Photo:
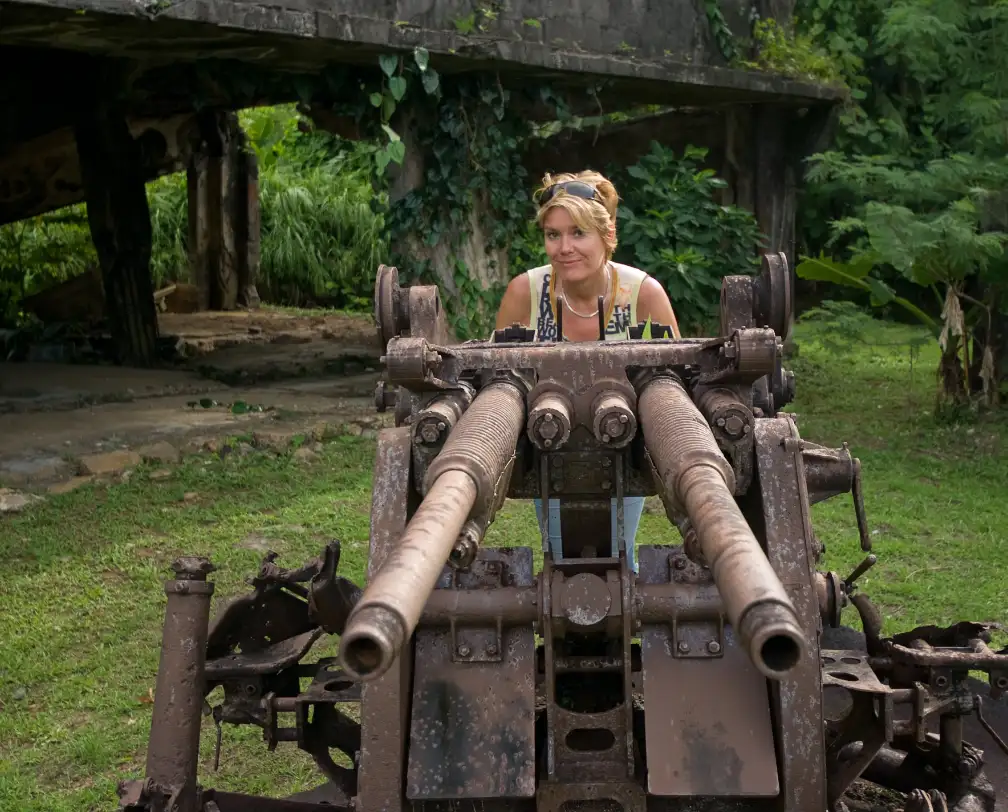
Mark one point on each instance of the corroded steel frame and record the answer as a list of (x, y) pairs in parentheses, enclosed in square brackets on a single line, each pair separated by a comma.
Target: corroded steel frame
[(462, 708)]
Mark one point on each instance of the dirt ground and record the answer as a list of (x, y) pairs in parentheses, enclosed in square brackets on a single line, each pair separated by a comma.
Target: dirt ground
[(267, 373)]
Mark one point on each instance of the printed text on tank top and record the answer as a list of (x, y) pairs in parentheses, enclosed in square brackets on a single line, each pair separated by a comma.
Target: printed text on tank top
[(621, 307)]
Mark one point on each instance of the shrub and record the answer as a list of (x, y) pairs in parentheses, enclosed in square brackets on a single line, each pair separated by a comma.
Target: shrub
[(672, 226)]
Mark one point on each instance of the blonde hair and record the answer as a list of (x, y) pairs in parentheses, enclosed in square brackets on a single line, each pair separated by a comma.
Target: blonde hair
[(589, 215)]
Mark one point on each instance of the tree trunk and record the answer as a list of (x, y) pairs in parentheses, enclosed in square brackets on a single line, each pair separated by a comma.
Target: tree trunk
[(951, 373), (995, 337), (119, 218)]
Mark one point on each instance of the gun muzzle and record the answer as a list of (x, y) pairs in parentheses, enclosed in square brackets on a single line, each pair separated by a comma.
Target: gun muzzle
[(694, 473), (469, 476)]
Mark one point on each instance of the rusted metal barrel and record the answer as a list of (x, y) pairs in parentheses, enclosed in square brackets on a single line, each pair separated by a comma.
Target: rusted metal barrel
[(695, 474), (173, 749), (467, 478)]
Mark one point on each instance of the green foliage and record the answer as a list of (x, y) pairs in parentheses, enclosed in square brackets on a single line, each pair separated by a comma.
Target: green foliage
[(856, 275), (168, 200), (39, 251), (320, 238), (474, 144), (794, 55), (397, 73), (720, 31), (672, 225), (914, 186), (845, 328)]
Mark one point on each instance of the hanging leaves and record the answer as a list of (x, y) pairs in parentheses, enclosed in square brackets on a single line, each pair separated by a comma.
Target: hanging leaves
[(952, 318)]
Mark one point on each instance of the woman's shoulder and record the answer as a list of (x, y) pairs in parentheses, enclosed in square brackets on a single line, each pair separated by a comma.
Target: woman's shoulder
[(630, 273), (538, 272)]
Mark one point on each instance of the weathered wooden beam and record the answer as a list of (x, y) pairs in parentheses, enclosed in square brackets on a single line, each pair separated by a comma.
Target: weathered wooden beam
[(111, 168)]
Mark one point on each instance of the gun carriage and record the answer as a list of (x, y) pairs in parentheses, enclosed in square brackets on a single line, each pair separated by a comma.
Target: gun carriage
[(693, 677)]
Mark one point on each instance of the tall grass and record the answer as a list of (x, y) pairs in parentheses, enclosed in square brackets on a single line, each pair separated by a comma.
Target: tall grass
[(320, 239), (167, 198)]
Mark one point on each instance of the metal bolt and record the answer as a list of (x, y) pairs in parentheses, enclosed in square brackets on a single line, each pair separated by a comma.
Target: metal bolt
[(683, 647), (614, 425), (721, 422), (548, 428), (430, 432), (491, 650), (463, 651), (734, 425), (714, 647)]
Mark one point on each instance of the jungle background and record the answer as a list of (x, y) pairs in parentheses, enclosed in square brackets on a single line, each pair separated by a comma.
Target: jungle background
[(900, 349), (904, 213)]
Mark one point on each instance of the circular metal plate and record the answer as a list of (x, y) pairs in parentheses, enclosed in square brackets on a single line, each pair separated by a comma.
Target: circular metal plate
[(775, 297), (386, 304)]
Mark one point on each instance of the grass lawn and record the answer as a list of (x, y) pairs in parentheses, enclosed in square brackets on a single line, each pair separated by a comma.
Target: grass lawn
[(81, 601)]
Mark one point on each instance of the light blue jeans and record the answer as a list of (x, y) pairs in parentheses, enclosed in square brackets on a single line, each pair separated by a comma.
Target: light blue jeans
[(633, 508)]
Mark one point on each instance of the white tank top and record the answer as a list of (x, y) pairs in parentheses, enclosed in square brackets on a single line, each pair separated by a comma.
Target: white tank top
[(622, 308)]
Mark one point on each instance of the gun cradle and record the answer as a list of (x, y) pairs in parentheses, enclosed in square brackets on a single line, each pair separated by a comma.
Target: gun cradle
[(700, 681)]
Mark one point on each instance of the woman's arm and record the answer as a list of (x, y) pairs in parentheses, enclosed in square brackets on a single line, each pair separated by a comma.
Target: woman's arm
[(653, 303), (515, 304)]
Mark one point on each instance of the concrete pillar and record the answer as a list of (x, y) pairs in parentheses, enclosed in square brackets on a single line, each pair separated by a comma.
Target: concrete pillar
[(223, 216), (112, 173), (249, 226)]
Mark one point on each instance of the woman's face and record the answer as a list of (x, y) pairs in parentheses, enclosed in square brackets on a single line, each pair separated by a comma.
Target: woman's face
[(575, 255)]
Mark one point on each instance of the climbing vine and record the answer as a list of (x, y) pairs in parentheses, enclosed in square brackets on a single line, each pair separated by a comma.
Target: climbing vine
[(473, 145), (467, 213), (720, 31), (775, 48), (788, 54)]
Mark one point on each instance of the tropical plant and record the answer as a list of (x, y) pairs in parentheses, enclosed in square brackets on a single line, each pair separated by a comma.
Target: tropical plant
[(672, 225)]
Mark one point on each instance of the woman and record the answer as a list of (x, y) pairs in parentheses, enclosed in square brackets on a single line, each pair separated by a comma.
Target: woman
[(577, 214)]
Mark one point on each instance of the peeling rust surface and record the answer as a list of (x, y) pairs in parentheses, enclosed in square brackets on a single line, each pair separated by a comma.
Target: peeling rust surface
[(471, 713), (173, 751), (712, 734), (472, 732), (384, 701), (785, 525)]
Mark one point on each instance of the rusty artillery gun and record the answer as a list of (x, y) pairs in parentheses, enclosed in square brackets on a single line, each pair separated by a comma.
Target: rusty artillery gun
[(701, 681)]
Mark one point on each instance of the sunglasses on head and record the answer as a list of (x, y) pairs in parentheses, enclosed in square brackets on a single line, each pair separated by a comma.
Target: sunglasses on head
[(577, 188)]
